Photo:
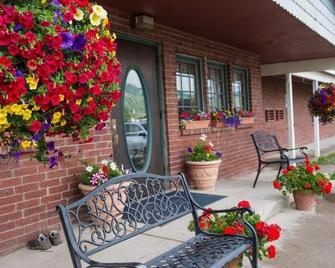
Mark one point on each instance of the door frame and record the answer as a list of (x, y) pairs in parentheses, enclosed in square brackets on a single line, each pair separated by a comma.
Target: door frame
[(159, 78)]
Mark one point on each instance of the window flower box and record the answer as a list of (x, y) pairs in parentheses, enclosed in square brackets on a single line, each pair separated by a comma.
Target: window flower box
[(194, 120), (196, 124), (247, 120)]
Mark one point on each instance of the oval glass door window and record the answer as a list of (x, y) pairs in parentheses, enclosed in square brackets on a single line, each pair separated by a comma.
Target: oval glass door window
[(136, 120)]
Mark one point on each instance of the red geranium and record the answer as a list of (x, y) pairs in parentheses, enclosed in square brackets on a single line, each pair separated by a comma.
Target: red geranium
[(276, 184), (271, 252), (244, 204)]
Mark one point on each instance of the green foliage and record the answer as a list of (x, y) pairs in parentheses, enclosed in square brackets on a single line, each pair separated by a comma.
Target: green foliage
[(203, 151)]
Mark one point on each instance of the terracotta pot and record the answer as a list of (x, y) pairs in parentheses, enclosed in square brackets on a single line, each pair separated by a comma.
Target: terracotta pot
[(217, 124), (197, 124), (114, 201), (247, 120), (304, 201), (235, 263), (204, 174)]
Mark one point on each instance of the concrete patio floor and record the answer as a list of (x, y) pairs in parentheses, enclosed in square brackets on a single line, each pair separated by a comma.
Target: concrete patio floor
[(264, 199)]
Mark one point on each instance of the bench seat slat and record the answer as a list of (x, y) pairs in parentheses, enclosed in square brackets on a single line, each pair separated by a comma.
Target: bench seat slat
[(202, 251)]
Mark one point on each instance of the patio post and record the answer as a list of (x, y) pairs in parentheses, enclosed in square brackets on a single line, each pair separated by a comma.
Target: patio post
[(316, 126), (290, 113)]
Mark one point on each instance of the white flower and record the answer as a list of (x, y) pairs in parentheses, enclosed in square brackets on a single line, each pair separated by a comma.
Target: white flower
[(113, 165), (104, 162), (203, 137), (211, 144), (89, 168), (100, 11), (79, 15)]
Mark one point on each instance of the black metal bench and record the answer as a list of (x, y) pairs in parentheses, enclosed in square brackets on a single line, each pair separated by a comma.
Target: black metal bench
[(141, 202), (270, 152)]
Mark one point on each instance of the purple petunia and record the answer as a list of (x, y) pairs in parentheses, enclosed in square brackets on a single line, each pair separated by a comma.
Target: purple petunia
[(190, 150), (79, 42), (15, 155), (51, 146), (18, 73), (52, 161), (67, 39), (219, 154), (37, 137), (18, 27)]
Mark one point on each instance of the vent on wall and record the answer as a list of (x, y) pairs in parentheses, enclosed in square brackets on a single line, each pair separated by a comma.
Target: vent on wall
[(269, 115), (279, 114)]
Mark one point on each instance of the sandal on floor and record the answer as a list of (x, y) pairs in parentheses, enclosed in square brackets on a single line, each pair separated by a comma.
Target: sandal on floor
[(54, 237), (42, 243)]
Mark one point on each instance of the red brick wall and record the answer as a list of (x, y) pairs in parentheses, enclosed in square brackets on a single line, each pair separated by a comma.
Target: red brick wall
[(274, 98), (29, 192)]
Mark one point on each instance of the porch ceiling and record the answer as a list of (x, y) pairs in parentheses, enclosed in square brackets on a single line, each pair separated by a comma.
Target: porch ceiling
[(258, 26)]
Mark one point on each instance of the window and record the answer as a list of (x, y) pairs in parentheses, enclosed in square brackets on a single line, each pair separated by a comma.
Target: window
[(240, 94), (216, 83), (188, 84)]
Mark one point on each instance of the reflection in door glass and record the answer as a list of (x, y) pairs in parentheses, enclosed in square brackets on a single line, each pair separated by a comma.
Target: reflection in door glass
[(135, 120)]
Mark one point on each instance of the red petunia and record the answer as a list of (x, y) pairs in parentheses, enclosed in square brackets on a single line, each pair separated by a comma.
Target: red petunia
[(244, 204), (74, 108), (229, 230), (68, 16), (309, 169), (35, 126), (76, 117), (13, 50), (276, 184), (55, 100), (271, 252), (307, 186), (285, 171), (45, 23), (82, 3)]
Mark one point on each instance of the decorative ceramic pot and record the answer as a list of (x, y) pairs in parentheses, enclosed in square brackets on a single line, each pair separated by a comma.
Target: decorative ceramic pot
[(204, 174), (197, 124), (108, 205), (304, 201), (247, 120)]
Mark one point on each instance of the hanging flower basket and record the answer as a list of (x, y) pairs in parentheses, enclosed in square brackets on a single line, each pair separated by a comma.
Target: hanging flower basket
[(59, 74), (322, 103)]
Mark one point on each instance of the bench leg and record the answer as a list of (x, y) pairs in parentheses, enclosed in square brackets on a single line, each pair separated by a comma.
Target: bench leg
[(259, 170), (280, 168)]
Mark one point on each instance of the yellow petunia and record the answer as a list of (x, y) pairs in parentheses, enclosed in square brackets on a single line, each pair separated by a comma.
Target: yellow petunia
[(100, 11), (79, 15), (43, 1), (36, 108), (61, 97), (3, 121), (16, 109), (105, 22), (32, 81), (63, 123), (78, 102), (25, 144), (107, 33), (26, 115), (95, 19), (56, 117), (113, 36)]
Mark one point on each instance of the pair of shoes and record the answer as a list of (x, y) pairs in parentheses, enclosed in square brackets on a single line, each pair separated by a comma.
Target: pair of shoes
[(44, 242), (54, 237)]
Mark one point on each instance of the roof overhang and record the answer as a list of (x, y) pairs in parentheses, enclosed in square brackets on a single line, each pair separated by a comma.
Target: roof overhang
[(259, 26)]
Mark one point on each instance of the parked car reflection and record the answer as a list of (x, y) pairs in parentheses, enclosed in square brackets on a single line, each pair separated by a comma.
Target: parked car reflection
[(137, 139)]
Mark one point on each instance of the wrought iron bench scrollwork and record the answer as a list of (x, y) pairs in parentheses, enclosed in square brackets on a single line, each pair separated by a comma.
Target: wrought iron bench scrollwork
[(140, 202), (266, 145)]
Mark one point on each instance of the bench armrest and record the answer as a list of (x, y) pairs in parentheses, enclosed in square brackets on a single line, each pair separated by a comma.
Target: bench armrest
[(301, 149), (116, 265)]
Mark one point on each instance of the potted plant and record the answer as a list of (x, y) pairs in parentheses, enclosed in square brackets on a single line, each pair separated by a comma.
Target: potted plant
[(246, 117), (322, 103), (113, 198), (194, 120), (59, 74), (230, 224), (305, 182), (231, 119), (203, 164)]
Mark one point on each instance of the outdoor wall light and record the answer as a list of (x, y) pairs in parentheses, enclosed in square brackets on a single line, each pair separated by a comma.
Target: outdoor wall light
[(143, 22)]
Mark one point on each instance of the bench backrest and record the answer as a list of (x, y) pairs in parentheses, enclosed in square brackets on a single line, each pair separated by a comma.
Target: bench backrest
[(122, 208), (264, 141)]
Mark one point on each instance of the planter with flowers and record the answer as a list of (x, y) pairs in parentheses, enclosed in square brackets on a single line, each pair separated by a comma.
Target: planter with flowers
[(305, 182), (113, 198), (230, 223), (322, 103), (194, 120), (217, 119), (59, 74), (221, 119), (203, 164), (246, 117)]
